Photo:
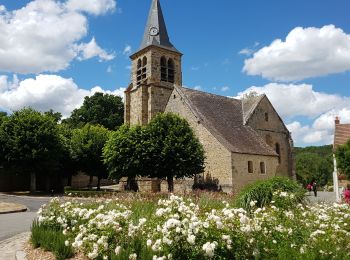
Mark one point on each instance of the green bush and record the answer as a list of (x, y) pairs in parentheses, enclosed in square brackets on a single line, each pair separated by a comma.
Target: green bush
[(50, 239), (261, 193)]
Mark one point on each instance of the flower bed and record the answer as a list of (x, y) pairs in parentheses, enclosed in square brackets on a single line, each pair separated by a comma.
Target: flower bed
[(181, 228)]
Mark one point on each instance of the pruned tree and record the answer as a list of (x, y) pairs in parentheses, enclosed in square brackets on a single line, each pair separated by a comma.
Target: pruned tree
[(175, 150), (30, 143), (86, 149), (343, 158)]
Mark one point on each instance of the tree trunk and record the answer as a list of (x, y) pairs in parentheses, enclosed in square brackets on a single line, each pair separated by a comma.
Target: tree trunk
[(32, 182), (99, 182), (90, 182), (170, 180)]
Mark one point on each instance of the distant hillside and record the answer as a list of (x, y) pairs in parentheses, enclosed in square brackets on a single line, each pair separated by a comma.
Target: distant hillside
[(323, 151), (314, 163)]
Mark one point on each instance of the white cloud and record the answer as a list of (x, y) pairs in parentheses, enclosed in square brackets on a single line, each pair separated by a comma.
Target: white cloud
[(197, 88), (317, 108), (43, 36), (306, 52), (194, 68), (249, 50), (2, 8), (45, 92), (225, 88), (299, 100), (96, 7), (91, 49), (109, 69), (127, 50)]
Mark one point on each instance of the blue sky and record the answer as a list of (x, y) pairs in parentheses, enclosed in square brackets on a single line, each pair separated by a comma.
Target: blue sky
[(53, 53)]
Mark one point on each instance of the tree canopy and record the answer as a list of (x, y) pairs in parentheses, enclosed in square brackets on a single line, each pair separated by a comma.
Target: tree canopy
[(100, 109), (343, 158), (166, 148), (86, 149), (30, 142), (314, 163)]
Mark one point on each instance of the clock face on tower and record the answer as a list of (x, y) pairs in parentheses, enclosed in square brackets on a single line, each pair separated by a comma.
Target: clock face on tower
[(153, 31)]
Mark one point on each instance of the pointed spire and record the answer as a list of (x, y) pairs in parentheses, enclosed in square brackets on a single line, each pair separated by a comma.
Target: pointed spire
[(155, 31)]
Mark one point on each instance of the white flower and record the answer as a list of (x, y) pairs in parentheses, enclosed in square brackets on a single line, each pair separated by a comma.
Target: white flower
[(209, 248), (191, 239), (149, 242), (133, 256), (274, 241), (252, 203), (117, 250), (66, 243), (93, 255)]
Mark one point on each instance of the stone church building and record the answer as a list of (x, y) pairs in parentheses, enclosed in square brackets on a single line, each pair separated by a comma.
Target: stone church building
[(244, 140)]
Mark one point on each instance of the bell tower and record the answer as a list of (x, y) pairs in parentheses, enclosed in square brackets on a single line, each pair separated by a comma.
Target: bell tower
[(156, 68)]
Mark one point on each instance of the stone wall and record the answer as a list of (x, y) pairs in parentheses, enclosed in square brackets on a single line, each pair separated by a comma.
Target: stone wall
[(240, 174), (273, 131), (218, 158)]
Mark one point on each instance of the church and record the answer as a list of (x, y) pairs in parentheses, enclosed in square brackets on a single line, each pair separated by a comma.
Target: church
[(244, 140)]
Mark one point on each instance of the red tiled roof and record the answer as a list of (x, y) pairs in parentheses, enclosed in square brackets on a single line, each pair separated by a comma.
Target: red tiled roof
[(341, 135)]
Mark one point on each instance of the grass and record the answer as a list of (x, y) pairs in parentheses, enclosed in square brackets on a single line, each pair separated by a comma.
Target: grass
[(50, 239)]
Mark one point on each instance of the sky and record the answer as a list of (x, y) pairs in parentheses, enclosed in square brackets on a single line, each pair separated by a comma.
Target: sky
[(297, 52)]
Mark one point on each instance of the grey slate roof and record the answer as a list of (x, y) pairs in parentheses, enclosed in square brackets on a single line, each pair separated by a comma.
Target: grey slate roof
[(223, 117), (156, 19)]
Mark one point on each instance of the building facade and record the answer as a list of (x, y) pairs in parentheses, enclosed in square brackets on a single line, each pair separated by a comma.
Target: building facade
[(244, 140)]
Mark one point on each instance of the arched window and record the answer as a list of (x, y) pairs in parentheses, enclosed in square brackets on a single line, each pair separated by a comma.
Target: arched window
[(144, 68), (171, 71), (163, 69), (278, 151), (262, 168), (139, 72)]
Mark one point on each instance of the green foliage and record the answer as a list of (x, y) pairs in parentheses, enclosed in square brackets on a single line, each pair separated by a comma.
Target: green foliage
[(100, 109), (262, 193), (165, 148), (176, 151), (314, 163), (127, 152), (50, 239), (3, 115), (86, 149), (208, 183), (30, 142), (343, 158), (57, 116)]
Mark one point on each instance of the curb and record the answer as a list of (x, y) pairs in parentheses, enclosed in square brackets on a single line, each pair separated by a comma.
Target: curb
[(20, 255), (14, 211)]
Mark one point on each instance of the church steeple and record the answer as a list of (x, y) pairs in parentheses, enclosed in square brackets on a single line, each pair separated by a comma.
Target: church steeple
[(155, 30)]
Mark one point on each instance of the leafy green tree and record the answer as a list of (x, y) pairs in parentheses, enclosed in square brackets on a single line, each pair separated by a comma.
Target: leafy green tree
[(127, 154), (3, 115), (100, 109), (343, 158), (86, 149), (56, 115), (311, 166), (30, 143), (175, 151)]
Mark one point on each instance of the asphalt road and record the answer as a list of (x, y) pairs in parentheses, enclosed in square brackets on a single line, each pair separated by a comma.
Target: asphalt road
[(15, 223)]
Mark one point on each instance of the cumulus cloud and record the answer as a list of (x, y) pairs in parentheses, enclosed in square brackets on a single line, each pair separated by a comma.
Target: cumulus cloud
[(96, 7), (306, 52), (45, 35), (45, 92), (91, 49), (302, 101), (292, 100)]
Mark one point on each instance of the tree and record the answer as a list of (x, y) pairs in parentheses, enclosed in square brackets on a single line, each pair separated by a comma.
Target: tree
[(343, 158), (30, 143), (311, 166), (3, 115), (56, 115), (86, 149), (175, 151), (99, 109), (126, 154)]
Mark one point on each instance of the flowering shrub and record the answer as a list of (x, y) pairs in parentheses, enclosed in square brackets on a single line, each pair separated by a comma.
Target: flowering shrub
[(178, 228)]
